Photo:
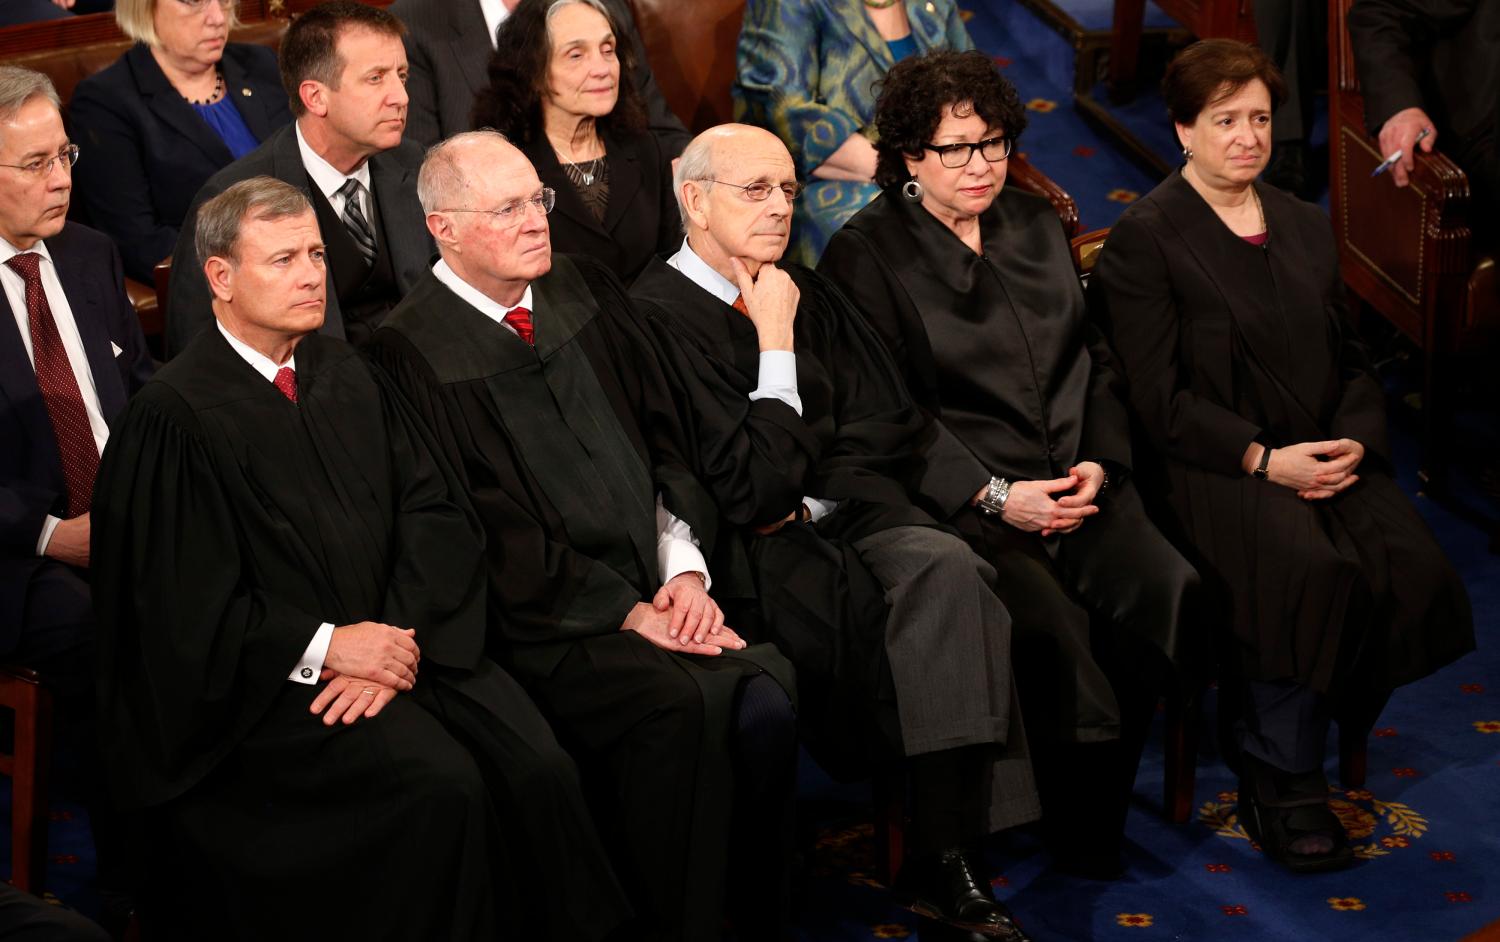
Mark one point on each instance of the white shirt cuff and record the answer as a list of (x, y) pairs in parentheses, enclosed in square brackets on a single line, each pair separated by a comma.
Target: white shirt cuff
[(818, 509), (778, 378), (676, 548), (48, 526), (310, 667)]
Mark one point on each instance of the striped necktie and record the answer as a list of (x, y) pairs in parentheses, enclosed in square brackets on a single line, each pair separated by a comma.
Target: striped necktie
[(76, 448), (355, 221)]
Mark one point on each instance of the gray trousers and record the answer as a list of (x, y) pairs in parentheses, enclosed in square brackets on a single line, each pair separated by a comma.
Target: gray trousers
[(948, 640)]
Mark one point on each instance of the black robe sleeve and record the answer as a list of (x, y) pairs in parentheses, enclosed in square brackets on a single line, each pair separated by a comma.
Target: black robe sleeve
[(950, 474), (1146, 328), (436, 584), (191, 654), (546, 590), (753, 456)]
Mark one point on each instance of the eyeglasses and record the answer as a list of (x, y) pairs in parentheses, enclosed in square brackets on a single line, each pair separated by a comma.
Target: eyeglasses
[(198, 6), (953, 156), (513, 212), (760, 192), (42, 166)]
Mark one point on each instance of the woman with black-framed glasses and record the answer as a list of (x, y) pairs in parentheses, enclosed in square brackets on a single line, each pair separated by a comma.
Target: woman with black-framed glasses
[(971, 285)]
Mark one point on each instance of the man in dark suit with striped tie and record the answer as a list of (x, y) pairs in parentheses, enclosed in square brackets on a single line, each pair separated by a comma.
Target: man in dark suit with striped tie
[(71, 352), (344, 67)]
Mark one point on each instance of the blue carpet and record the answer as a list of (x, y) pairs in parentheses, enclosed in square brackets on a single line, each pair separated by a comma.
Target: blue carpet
[(1427, 823)]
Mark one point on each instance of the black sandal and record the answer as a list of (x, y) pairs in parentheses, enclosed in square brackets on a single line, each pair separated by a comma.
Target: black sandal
[(1277, 808)]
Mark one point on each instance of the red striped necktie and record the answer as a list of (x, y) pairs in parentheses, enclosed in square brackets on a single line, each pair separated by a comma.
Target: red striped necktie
[(76, 447), (519, 318)]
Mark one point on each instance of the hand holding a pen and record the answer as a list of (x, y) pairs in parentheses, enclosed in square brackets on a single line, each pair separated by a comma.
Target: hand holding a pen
[(1400, 133)]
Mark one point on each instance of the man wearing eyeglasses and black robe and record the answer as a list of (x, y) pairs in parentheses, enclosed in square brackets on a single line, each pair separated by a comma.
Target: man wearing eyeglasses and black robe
[(544, 398), (902, 648)]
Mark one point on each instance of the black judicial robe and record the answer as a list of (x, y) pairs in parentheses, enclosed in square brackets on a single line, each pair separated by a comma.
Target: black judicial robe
[(998, 348), (1224, 343), (228, 525), (859, 440), (562, 449)]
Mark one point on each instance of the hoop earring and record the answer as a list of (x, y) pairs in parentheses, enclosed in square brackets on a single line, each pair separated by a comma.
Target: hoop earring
[(1187, 153), (912, 190)]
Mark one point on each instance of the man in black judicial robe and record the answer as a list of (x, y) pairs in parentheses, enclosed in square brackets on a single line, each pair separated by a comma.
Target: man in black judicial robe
[(269, 516), (542, 395), (344, 67), (770, 360)]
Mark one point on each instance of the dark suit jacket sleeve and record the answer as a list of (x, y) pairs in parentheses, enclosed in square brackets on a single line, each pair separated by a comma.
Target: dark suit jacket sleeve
[(1146, 329), (189, 302), (113, 178), (1389, 39), (134, 361), (663, 123)]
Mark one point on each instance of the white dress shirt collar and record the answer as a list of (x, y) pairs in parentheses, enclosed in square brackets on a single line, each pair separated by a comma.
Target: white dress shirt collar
[(258, 361), (324, 175), (477, 299), (8, 251), (495, 12), (703, 274)]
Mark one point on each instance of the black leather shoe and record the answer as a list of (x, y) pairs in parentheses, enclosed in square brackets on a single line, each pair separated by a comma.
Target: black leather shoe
[(943, 887)]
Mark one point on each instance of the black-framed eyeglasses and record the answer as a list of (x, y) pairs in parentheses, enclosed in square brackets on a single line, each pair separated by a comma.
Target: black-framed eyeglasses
[(760, 192), (42, 166), (513, 212), (953, 156)]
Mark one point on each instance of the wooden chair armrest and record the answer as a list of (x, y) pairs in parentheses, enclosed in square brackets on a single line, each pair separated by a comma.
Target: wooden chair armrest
[(1022, 174), (147, 311)]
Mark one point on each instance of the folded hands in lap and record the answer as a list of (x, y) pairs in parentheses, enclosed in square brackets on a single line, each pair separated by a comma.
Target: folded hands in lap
[(683, 617), (1032, 505)]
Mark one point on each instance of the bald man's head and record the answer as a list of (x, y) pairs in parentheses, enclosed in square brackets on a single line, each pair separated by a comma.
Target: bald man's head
[(487, 211), (718, 179)]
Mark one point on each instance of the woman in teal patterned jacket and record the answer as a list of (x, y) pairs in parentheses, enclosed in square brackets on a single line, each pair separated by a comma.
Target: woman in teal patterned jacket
[(808, 71)]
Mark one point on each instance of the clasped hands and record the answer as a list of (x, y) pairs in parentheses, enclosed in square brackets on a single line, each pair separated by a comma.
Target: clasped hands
[(682, 617), (1031, 506), (1315, 470), (366, 665)]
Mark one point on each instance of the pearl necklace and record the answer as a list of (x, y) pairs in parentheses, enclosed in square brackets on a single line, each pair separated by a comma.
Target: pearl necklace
[(217, 93)]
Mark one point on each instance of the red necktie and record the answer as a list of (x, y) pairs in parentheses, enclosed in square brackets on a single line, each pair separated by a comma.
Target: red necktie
[(739, 305), (54, 375), (286, 381), (519, 318)]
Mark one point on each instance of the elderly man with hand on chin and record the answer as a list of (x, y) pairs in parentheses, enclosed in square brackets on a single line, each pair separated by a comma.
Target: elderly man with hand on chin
[(268, 518), (813, 449)]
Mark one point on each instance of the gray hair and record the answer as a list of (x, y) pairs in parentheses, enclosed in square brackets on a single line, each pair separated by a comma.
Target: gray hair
[(441, 181), (559, 4), (219, 220), (137, 19), (18, 86), (697, 165)]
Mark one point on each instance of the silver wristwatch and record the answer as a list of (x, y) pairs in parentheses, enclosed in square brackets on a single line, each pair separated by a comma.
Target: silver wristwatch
[(993, 501)]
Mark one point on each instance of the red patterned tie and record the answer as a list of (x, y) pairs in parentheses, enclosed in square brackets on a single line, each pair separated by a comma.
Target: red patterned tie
[(519, 318), (54, 375), (286, 381), (739, 305)]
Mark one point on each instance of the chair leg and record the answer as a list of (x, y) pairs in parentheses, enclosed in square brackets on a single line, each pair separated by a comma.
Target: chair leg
[(1353, 757), (29, 818), (1180, 745), (890, 825)]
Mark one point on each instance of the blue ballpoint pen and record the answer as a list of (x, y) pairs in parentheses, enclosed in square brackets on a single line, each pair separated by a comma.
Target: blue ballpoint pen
[(1389, 161)]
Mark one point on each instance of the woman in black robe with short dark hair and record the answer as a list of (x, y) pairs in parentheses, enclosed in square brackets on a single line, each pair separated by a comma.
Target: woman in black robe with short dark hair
[(972, 287), (1226, 308)]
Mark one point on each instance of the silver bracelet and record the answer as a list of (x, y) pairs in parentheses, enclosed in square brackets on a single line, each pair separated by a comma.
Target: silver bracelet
[(993, 501)]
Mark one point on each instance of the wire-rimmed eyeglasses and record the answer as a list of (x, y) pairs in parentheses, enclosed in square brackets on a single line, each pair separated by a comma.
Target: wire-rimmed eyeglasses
[(760, 192), (42, 166), (513, 212)]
